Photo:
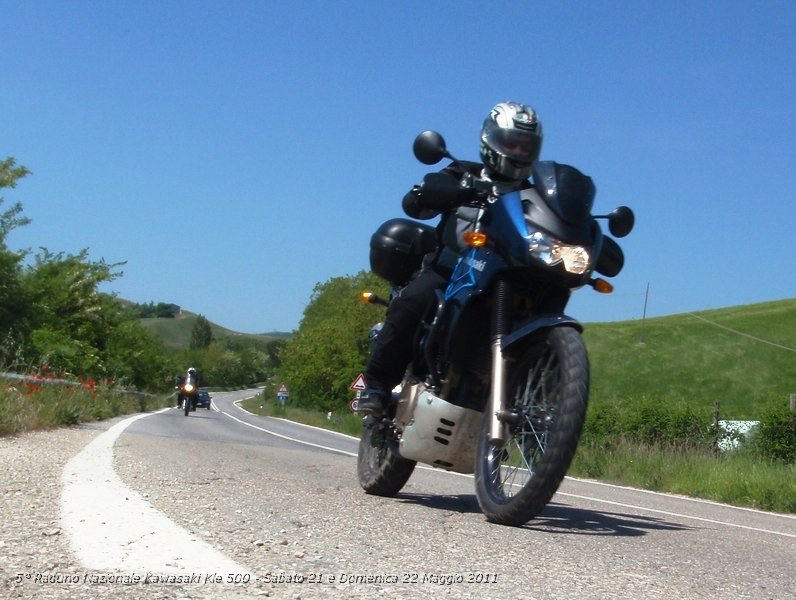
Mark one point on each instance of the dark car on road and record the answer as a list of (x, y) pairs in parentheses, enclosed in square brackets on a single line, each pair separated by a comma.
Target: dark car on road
[(203, 400)]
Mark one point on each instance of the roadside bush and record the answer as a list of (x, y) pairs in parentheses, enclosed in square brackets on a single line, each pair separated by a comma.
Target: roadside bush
[(646, 421), (39, 404), (775, 437), (603, 424)]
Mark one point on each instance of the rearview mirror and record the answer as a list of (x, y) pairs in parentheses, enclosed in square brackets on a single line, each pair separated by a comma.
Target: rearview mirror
[(621, 221), (429, 148)]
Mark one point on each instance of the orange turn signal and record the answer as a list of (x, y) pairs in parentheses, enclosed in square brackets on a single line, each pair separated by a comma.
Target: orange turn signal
[(602, 286), (475, 239), (366, 297)]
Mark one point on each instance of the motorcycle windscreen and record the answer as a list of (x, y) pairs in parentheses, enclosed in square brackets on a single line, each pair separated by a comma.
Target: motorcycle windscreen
[(566, 190)]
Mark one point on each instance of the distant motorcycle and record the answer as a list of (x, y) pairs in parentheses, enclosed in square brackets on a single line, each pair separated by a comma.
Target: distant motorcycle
[(499, 382), (188, 393)]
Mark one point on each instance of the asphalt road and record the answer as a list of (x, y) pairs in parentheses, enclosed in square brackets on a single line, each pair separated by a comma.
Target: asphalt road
[(227, 504)]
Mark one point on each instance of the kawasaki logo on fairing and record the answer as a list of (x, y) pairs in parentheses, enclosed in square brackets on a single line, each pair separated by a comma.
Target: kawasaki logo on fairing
[(478, 265)]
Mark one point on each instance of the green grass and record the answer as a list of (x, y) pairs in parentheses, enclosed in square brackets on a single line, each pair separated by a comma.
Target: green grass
[(342, 421), (653, 390), (683, 358), (737, 478)]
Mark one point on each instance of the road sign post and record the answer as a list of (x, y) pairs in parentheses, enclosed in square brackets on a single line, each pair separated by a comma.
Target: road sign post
[(358, 385), (282, 395)]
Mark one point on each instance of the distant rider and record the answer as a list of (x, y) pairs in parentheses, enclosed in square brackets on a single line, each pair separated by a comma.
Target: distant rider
[(179, 381)]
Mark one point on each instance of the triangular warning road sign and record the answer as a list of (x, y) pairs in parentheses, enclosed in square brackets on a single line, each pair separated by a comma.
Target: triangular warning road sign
[(283, 389), (359, 383)]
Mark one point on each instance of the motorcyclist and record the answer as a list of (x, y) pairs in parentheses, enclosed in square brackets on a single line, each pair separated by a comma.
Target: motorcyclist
[(511, 139), (180, 380)]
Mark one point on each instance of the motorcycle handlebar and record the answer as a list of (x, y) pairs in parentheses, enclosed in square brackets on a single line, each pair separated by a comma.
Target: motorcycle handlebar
[(371, 298), (441, 191)]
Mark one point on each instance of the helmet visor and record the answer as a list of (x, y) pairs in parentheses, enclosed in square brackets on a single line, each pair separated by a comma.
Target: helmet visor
[(516, 144)]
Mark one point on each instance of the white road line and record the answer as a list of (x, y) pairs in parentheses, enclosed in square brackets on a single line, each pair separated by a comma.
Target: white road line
[(679, 515), (285, 437), (681, 497), (112, 527)]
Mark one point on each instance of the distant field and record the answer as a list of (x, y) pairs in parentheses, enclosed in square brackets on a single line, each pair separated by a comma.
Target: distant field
[(743, 357)]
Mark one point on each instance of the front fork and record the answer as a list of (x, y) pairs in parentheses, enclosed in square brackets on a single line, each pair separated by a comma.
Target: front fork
[(496, 409)]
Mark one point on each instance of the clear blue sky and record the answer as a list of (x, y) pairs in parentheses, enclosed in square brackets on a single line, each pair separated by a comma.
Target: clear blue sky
[(237, 153)]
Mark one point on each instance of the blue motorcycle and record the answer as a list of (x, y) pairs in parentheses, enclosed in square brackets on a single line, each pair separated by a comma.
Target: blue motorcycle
[(499, 383)]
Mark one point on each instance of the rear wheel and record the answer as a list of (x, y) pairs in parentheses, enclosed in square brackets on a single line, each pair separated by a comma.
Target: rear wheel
[(547, 390), (381, 470)]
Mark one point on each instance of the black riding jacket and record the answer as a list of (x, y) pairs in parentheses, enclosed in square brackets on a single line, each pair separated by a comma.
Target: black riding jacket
[(449, 200)]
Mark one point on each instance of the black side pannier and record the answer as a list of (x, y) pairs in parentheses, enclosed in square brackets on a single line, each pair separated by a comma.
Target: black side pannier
[(398, 247)]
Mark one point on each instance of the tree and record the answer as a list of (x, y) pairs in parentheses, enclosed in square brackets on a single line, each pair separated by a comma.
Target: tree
[(10, 174), (162, 310), (274, 349), (52, 313), (201, 334), (12, 298), (69, 321), (136, 357), (331, 345)]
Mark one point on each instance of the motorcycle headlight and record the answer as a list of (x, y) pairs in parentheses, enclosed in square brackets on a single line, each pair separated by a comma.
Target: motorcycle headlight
[(550, 251), (188, 387)]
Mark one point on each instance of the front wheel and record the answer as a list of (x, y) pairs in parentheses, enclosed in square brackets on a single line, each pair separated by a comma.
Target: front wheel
[(186, 405), (381, 470), (547, 389)]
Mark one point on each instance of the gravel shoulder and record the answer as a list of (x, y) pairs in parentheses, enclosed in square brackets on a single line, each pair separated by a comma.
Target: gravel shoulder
[(35, 558), (31, 544)]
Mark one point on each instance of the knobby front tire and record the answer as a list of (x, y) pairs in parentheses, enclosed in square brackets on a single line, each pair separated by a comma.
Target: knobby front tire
[(548, 387), (381, 470)]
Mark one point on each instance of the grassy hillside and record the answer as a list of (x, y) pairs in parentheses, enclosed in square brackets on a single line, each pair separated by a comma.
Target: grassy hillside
[(176, 332), (743, 356)]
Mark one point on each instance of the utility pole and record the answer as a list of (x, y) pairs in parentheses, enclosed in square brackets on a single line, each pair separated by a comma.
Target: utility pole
[(644, 314)]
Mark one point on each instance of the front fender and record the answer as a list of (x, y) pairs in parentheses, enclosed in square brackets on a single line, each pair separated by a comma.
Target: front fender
[(538, 322)]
